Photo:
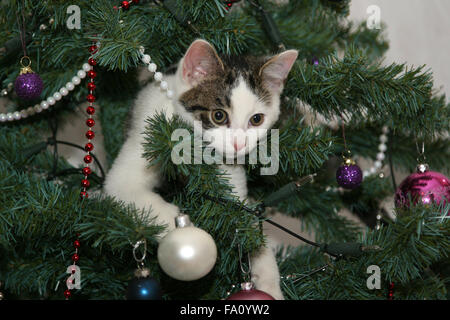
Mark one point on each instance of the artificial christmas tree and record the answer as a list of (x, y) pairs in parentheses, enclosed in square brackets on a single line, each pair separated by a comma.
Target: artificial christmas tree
[(42, 213)]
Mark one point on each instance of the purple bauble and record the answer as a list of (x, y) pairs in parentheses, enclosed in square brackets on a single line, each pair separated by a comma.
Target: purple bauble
[(427, 187), (28, 86), (250, 293), (349, 176)]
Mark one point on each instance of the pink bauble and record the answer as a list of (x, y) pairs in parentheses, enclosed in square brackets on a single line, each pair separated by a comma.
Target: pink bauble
[(250, 293), (427, 187)]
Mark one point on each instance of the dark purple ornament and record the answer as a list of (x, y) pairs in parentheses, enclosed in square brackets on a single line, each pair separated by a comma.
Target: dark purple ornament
[(28, 86), (426, 187), (349, 176)]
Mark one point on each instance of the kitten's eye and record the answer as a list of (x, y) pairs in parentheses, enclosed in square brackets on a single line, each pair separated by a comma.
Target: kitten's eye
[(257, 119), (219, 116)]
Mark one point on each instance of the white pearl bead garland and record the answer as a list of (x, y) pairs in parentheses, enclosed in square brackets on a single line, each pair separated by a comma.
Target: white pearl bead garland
[(81, 74), (70, 85), (7, 90), (46, 103), (86, 67), (158, 76), (57, 96), (51, 101), (146, 59), (152, 67), (64, 91), (76, 80), (382, 147)]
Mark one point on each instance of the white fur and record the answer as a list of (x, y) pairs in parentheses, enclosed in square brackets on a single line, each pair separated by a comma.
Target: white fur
[(131, 181)]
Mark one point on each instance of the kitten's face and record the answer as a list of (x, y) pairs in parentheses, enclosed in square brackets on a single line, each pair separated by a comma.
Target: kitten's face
[(235, 100)]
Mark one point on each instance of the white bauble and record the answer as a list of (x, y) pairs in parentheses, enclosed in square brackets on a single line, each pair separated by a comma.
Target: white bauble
[(187, 253)]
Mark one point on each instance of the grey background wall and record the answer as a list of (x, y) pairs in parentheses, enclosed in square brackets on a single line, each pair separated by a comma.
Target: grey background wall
[(418, 33)]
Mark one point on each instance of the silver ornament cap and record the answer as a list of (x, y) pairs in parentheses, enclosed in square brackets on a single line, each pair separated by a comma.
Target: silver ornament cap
[(246, 286), (422, 168), (182, 220), (142, 273)]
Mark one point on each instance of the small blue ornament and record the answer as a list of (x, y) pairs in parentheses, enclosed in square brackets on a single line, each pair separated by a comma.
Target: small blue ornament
[(143, 287)]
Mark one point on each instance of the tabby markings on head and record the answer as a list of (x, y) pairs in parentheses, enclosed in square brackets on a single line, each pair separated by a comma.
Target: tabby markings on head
[(214, 92)]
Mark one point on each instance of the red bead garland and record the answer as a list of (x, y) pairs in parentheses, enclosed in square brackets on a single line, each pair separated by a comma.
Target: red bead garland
[(90, 97), (67, 294), (90, 110), (89, 146), (75, 259), (90, 122), (93, 49), (88, 158), (91, 86), (91, 74), (391, 291), (230, 3), (85, 183), (125, 5), (90, 134)]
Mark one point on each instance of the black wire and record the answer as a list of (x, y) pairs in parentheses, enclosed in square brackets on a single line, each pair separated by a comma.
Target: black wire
[(314, 271), (53, 124), (391, 166), (21, 27), (81, 148), (293, 233), (258, 212)]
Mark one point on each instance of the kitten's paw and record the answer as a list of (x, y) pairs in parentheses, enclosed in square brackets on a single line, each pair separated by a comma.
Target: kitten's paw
[(165, 214), (273, 290)]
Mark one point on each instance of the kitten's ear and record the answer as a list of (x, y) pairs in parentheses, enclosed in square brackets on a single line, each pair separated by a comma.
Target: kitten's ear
[(200, 60), (275, 71)]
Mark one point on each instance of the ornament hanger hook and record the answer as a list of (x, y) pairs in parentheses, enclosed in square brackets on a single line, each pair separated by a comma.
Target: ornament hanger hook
[(135, 248), (245, 272), (346, 154), (423, 148), (421, 158), (29, 61)]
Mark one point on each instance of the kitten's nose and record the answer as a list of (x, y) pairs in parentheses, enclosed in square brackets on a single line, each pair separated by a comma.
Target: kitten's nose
[(239, 143)]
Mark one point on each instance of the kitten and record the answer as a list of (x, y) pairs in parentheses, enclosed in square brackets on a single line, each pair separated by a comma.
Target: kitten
[(224, 95)]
